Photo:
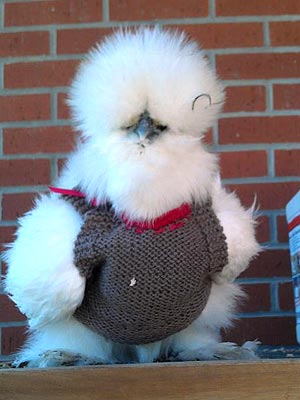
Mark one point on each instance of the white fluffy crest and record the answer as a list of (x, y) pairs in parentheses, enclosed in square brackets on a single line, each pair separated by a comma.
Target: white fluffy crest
[(161, 72), (150, 68)]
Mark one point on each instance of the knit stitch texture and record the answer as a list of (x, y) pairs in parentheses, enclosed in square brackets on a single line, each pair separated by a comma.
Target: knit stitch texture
[(143, 287)]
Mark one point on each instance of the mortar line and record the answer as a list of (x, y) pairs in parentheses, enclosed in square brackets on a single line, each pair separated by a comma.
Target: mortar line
[(105, 10), (215, 133), (266, 314), (208, 54), (1, 216), (53, 105), (13, 324), (254, 179), (268, 213), (217, 52), (1, 141), (36, 123), (41, 58), (255, 146), (241, 180), (271, 163), (171, 21), (30, 156), (213, 60), (280, 213), (261, 179), (266, 33), (244, 82), (235, 82), (9, 223), (20, 1), (269, 98), (53, 41), (278, 113), (53, 169), (274, 223), (274, 298), (212, 9), (33, 90), (273, 233), (253, 281), (256, 50), (1, 18), (1, 77), (22, 189), (7, 358)]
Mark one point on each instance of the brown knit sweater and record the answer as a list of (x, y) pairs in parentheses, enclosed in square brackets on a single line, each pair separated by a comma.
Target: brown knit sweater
[(144, 285)]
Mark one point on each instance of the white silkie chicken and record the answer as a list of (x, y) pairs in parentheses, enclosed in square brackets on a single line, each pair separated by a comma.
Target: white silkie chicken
[(142, 102)]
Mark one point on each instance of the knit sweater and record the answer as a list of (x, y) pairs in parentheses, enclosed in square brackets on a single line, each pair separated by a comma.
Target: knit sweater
[(146, 281)]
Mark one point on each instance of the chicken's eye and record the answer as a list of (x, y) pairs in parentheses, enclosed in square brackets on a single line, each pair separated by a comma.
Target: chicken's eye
[(131, 124), (128, 128), (161, 127)]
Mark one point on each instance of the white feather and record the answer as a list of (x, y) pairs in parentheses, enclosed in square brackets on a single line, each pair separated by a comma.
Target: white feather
[(161, 72), (41, 277)]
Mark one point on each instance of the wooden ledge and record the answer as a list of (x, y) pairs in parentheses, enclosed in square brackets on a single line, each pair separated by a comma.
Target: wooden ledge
[(262, 380)]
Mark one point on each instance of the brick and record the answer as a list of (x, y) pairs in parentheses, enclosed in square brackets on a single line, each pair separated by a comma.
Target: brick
[(285, 33), (279, 129), (39, 74), (24, 172), (9, 312), (258, 65), (286, 97), (209, 138), (270, 196), (16, 204), (287, 163), (52, 12), (282, 229), (63, 110), (245, 98), (6, 235), (60, 164), (18, 44), (155, 9), (78, 41), (258, 298), (214, 36), (45, 139), (27, 107), (269, 264), (286, 296), (263, 229), (13, 339), (238, 164), (256, 7), (272, 331)]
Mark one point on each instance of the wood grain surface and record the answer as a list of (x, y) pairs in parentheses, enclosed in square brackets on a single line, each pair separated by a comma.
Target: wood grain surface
[(263, 380)]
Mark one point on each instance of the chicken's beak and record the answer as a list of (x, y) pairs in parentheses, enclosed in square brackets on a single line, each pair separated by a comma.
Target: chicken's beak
[(145, 128)]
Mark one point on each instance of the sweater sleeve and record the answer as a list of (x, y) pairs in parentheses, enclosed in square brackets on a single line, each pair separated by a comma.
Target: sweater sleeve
[(89, 247), (215, 239)]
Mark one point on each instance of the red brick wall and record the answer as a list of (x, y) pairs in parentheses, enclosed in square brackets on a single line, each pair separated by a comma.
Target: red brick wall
[(254, 46)]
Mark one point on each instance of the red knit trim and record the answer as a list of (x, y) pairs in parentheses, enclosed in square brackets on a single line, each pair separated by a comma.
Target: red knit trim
[(68, 192), (174, 218), (72, 192)]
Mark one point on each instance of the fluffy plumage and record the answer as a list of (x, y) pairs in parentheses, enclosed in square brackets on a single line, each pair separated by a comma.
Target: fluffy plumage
[(160, 72)]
